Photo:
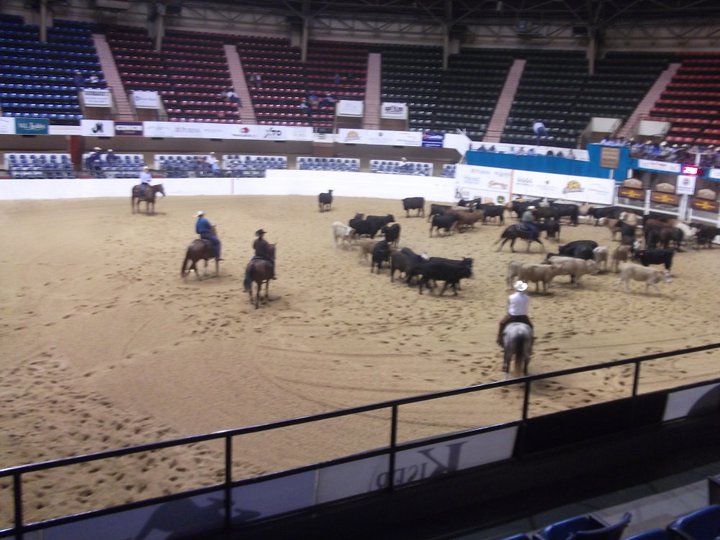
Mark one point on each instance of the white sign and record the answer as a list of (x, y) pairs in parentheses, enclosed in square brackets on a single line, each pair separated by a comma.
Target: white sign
[(146, 99), (685, 185), (714, 173), (560, 186), (398, 111), (97, 97), (346, 107), (659, 165), (483, 182), (97, 128), (374, 136), (193, 130), (7, 125)]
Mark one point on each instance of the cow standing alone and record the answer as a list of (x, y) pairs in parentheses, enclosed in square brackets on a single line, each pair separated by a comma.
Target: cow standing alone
[(325, 201)]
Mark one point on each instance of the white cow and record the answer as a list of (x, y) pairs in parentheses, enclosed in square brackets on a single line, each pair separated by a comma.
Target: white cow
[(637, 272), (342, 235), (600, 256), (573, 267)]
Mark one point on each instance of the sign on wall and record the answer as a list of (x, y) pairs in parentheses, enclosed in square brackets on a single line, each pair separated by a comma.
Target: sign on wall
[(97, 128), (394, 111), (685, 185), (375, 136), (128, 128), (97, 97), (347, 107), (146, 99), (7, 125), (559, 186), (34, 126), (192, 130), (483, 182)]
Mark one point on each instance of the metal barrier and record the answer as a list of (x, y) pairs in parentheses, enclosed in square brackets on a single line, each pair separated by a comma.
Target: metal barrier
[(391, 451)]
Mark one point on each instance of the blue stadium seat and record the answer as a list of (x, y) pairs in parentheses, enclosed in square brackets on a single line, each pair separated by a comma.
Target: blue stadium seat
[(703, 524), (653, 534), (585, 527)]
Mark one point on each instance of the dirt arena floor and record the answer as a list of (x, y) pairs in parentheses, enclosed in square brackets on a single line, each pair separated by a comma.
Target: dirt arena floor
[(104, 345)]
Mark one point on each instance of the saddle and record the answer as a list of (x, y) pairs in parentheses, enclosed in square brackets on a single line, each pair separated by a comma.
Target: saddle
[(208, 245)]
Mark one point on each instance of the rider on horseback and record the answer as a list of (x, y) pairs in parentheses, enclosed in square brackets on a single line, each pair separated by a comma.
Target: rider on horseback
[(528, 221), (145, 180), (206, 230), (262, 251), (517, 309)]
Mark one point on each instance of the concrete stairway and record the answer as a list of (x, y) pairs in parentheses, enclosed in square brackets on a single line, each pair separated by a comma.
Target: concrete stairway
[(123, 109), (239, 82), (644, 107), (504, 104), (371, 118)]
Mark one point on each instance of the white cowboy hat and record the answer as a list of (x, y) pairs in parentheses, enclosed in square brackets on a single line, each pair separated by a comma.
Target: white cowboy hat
[(520, 286), (199, 213)]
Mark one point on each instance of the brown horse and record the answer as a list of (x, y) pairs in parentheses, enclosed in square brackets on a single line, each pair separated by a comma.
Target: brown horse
[(199, 250), (260, 271), (149, 199), (515, 231)]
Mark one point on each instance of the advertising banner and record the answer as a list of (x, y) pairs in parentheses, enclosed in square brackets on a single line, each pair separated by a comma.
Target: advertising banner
[(7, 125), (32, 126), (631, 193), (193, 130), (394, 111), (97, 97), (664, 198), (97, 128), (705, 205), (560, 186), (685, 185), (374, 136), (483, 182), (146, 99), (659, 166), (714, 173), (433, 140), (346, 107), (128, 128)]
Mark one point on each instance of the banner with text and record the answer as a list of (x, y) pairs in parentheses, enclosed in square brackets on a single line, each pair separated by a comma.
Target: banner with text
[(483, 182), (7, 125), (191, 130), (146, 99), (559, 186), (374, 136), (394, 111), (34, 126), (128, 128), (347, 107), (97, 97)]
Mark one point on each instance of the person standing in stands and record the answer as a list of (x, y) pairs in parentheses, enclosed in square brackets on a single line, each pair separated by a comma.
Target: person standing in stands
[(539, 130)]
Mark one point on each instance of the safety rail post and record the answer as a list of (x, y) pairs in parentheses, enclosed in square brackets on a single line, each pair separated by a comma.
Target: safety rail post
[(228, 482), (526, 401), (393, 445), (636, 379), (17, 489)]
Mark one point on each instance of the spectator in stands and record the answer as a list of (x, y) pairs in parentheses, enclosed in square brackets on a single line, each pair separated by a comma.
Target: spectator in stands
[(145, 180), (94, 80), (305, 107), (207, 231), (313, 100), (111, 159), (337, 79), (539, 130), (79, 80), (255, 80), (212, 162), (232, 97), (571, 154), (262, 251), (92, 162)]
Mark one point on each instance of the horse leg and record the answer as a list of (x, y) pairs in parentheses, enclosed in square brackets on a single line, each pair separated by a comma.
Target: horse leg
[(257, 295), (217, 267)]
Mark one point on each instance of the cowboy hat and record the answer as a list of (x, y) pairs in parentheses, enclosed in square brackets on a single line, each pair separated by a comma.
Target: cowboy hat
[(259, 232), (199, 213), (531, 207), (520, 286)]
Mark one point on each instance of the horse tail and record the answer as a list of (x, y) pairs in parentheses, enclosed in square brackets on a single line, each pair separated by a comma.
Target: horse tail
[(184, 264)]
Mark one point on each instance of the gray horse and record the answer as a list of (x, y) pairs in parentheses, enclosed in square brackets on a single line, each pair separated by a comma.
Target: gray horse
[(518, 343)]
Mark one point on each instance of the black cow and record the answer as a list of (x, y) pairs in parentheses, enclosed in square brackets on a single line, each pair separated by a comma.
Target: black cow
[(472, 204), (407, 262), (655, 256), (381, 253), (414, 203), (580, 249), (392, 233), (493, 211), (438, 210), (362, 227), (662, 235), (325, 200), (519, 207), (551, 228), (449, 272), (445, 221), (598, 213), (705, 234), (569, 210)]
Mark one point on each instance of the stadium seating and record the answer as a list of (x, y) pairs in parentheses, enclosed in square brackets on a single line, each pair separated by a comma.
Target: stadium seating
[(382, 166), (448, 170), (121, 166), (39, 165), (702, 524), (184, 165), (252, 165), (587, 526), (653, 534), (309, 163)]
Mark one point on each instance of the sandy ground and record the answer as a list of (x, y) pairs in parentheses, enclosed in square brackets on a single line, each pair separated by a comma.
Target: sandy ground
[(104, 345)]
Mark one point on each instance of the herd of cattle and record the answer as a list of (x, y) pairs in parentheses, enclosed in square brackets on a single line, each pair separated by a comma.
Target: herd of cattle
[(644, 242)]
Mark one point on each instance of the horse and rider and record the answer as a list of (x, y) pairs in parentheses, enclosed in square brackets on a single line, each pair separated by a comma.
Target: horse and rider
[(515, 332), (264, 251), (145, 192), (207, 231)]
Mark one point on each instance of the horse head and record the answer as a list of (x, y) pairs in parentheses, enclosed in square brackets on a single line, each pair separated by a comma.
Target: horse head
[(160, 189)]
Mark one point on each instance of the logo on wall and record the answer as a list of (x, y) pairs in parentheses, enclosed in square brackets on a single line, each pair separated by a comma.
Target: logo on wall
[(352, 136), (573, 186), (97, 129)]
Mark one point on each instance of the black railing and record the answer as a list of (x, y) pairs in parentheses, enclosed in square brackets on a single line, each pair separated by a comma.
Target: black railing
[(393, 446)]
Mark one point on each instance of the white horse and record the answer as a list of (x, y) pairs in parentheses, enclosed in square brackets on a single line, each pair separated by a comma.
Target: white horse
[(517, 342)]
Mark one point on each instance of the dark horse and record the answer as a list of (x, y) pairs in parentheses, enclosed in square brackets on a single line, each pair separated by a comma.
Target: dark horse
[(261, 271), (149, 199), (199, 250), (515, 231)]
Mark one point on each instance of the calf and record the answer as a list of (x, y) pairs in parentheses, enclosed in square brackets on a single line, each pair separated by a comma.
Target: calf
[(600, 256), (342, 235), (325, 200), (448, 272), (635, 272), (414, 203), (493, 211), (392, 233), (378, 222), (406, 261), (366, 247), (705, 234), (466, 218), (575, 268), (604, 212), (448, 222), (362, 227), (655, 256), (535, 273), (380, 253), (438, 210), (580, 249), (620, 254)]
